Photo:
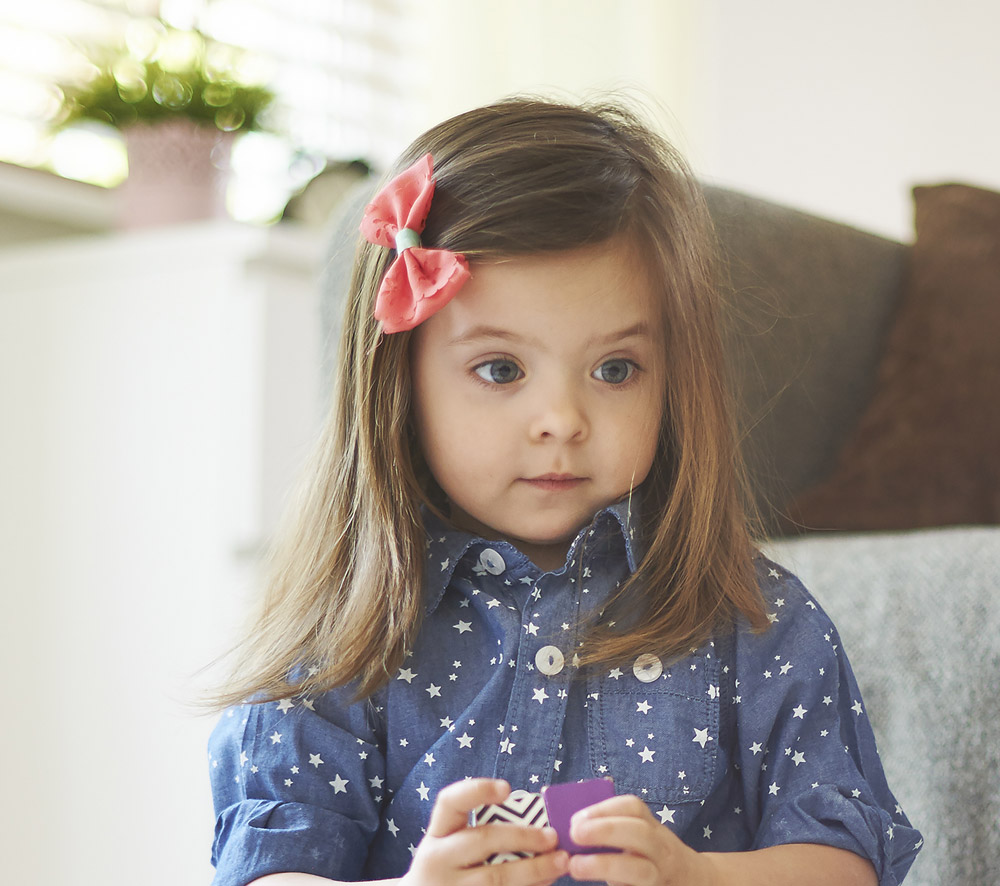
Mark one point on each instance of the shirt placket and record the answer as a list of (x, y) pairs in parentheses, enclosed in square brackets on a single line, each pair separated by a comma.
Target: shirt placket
[(533, 728)]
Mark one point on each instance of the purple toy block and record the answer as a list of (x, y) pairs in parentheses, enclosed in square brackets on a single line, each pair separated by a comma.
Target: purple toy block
[(563, 800)]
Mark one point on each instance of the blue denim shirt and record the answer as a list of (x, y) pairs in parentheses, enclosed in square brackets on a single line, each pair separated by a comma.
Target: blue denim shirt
[(750, 741)]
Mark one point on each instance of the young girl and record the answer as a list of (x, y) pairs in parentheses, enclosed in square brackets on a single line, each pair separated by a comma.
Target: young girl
[(523, 559)]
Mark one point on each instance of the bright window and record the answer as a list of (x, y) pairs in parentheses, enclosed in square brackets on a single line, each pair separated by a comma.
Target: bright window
[(337, 68)]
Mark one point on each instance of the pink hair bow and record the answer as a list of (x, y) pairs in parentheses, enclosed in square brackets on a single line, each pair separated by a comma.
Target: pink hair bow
[(420, 281)]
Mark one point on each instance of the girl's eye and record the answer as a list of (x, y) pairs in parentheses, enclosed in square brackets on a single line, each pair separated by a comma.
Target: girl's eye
[(498, 372), (615, 372)]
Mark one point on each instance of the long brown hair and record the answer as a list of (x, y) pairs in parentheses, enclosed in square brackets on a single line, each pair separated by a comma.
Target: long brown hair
[(519, 177)]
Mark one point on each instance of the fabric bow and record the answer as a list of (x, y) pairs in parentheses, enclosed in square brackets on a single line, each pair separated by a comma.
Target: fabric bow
[(420, 281)]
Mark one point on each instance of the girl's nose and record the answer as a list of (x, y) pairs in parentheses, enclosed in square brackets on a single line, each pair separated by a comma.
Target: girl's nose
[(559, 415)]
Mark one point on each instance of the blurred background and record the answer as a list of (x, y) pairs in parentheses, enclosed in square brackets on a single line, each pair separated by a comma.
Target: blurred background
[(167, 172)]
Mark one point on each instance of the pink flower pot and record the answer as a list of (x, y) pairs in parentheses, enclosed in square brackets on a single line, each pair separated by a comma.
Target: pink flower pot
[(178, 172)]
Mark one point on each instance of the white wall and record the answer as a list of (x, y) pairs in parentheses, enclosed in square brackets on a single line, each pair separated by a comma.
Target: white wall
[(472, 53), (836, 108), (842, 107)]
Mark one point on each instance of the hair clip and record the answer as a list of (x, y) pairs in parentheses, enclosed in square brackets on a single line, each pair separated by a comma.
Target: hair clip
[(420, 281)]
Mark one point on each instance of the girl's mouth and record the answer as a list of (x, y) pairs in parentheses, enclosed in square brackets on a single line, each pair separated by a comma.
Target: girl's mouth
[(554, 482)]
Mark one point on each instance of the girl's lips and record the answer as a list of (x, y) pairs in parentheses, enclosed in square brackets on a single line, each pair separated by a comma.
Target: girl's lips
[(554, 482)]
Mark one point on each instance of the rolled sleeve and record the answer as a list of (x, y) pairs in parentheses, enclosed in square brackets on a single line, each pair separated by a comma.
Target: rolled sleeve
[(259, 837), (810, 766), (296, 786)]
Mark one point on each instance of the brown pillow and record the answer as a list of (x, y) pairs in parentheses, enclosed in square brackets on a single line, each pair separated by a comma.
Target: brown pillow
[(926, 451)]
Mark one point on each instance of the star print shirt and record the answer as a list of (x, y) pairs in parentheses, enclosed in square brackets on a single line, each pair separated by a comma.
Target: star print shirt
[(751, 741)]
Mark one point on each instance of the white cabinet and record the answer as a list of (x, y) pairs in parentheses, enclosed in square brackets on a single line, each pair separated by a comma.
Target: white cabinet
[(158, 391)]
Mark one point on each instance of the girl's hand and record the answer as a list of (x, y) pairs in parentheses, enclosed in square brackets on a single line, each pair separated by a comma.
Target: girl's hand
[(651, 855), (454, 853)]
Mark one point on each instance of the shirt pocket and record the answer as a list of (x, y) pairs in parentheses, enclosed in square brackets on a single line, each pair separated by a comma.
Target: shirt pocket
[(655, 730)]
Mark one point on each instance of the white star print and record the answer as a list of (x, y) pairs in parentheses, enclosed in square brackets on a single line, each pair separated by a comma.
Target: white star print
[(756, 748), (433, 691), (376, 782), (856, 707), (773, 789), (314, 760), (666, 815), (391, 825), (646, 754), (463, 627), (539, 695), (702, 737), (424, 791), (465, 740), (276, 738), (643, 707), (285, 705), (429, 759), (339, 784), (406, 674), (799, 712), (798, 757), (615, 673)]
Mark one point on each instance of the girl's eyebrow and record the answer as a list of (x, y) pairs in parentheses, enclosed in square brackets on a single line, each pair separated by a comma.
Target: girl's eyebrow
[(636, 330), (484, 331)]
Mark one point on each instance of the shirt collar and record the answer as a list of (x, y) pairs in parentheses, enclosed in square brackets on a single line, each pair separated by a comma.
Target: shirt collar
[(448, 546)]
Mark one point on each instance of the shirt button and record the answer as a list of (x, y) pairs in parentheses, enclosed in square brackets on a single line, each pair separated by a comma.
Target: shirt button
[(647, 668), (549, 660), (492, 562)]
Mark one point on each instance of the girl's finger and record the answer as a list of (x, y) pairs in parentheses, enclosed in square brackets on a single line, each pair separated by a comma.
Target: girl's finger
[(624, 832), (619, 868), (624, 804), (538, 871), (471, 847), (456, 801)]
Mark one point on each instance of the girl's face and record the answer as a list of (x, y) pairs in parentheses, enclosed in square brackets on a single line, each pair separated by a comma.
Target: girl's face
[(538, 394)]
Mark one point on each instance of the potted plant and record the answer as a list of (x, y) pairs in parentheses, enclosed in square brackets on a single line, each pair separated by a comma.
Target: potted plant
[(178, 99)]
